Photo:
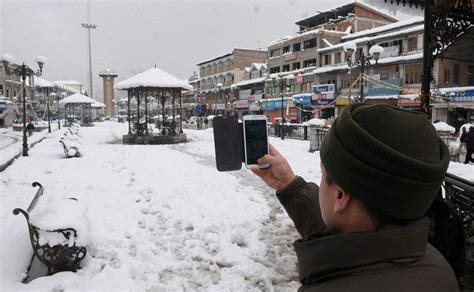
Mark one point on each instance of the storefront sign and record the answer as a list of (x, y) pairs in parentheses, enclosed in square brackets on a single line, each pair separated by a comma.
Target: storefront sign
[(376, 89), (407, 102), (254, 107), (242, 104), (343, 101), (462, 96), (323, 88), (322, 101), (300, 79), (289, 57), (302, 100), (273, 104), (220, 106)]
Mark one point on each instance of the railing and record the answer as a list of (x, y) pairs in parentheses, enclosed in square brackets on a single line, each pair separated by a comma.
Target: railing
[(460, 192), (290, 131)]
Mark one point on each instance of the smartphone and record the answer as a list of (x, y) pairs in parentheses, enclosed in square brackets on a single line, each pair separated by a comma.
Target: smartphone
[(255, 139)]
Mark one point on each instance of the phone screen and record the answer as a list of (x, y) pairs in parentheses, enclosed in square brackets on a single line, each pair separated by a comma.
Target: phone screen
[(256, 143)]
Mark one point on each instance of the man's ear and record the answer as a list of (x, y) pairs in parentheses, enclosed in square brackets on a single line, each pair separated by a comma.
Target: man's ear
[(342, 200)]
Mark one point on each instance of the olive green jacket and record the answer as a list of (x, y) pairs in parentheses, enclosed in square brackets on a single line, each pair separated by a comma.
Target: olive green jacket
[(393, 258)]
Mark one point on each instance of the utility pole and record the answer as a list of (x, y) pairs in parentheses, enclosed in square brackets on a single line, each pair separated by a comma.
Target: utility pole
[(88, 26)]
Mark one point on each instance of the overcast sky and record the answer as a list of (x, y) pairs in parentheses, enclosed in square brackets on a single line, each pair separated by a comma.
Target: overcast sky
[(133, 36)]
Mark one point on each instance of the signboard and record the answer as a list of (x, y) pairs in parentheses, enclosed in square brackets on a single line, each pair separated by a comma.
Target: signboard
[(245, 93), (254, 107), (3, 105), (461, 96), (322, 101), (274, 104), (220, 106), (321, 88), (407, 102), (299, 79), (303, 101), (242, 104), (325, 95), (380, 89)]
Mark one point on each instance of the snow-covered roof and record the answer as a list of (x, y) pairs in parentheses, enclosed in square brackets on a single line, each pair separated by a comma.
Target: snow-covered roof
[(258, 66), (67, 82), (381, 97), (98, 104), (250, 81), (153, 77), (388, 60), (40, 82), (414, 29), (77, 98), (384, 28)]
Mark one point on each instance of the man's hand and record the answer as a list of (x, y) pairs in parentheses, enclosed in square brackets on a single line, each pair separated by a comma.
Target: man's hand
[(279, 175)]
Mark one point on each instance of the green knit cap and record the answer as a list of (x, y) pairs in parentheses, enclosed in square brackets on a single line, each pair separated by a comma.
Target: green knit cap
[(390, 159)]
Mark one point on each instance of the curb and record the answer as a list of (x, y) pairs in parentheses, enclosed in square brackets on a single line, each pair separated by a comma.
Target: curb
[(10, 162)]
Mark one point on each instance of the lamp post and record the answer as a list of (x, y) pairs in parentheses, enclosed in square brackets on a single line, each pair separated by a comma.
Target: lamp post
[(233, 89), (23, 71), (362, 61), (282, 83), (53, 95), (219, 88)]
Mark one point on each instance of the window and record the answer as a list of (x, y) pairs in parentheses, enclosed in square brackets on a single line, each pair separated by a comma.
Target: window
[(286, 50), (456, 73), (14, 92), (297, 47), (1, 89), (8, 93), (275, 52), (326, 59), (338, 58), (412, 44), (274, 70), (309, 43), (296, 65), (309, 63), (447, 76), (286, 68)]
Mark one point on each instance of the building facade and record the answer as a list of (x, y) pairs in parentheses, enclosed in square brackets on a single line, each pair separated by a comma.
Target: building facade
[(217, 75), (108, 77)]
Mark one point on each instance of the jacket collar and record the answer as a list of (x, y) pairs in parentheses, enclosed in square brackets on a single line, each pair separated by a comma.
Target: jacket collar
[(323, 257)]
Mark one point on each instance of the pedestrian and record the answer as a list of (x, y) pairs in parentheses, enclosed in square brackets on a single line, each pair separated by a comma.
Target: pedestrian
[(206, 122), (469, 145), (364, 227), (30, 128), (462, 141)]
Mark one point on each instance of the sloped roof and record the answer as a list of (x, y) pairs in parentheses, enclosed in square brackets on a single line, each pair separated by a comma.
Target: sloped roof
[(77, 98), (153, 77)]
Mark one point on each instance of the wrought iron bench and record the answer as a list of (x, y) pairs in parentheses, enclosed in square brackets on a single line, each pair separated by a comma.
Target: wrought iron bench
[(69, 150), (56, 258)]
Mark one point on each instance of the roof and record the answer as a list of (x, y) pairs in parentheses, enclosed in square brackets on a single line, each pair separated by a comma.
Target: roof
[(98, 104), (108, 72), (378, 37), (67, 82), (153, 77), (215, 58), (77, 98), (344, 10), (250, 81), (384, 28), (42, 83)]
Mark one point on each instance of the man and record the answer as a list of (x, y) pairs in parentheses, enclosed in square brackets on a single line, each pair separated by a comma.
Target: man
[(462, 140), (469, 145), (364, 227)]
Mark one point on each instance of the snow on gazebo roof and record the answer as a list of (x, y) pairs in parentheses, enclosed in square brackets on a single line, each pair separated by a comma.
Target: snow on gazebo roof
[(77, 98), (97, 104), (153, 77)]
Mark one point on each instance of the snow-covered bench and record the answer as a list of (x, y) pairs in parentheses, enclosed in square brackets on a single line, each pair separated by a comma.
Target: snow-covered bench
[(70, 149), (57, 231)]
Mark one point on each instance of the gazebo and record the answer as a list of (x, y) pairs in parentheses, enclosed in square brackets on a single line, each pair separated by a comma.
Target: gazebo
[(97, 110), (161, 86), (79, 102)]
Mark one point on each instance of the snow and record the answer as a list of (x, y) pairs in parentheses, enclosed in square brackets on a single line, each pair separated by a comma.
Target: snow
[(153, 77), (158, 218), (316, 122), (384, 28), (442, 126), (77, 98), (250, 81)]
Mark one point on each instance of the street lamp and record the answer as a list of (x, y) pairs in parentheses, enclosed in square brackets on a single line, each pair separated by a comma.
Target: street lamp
[(362, 61), (53, 95), (23, 71), (219, 88), (282, 83), (233, 89)]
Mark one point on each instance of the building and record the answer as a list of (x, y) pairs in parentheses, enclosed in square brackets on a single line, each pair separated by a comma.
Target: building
[(216, 76), (298, 55), (251, 90), (190, 98)]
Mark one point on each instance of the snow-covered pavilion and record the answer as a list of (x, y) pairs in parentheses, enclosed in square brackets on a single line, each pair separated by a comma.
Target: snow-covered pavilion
[(78, 101), (162, 86)]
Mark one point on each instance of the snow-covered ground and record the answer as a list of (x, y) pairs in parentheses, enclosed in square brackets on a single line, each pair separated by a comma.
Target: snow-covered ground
[(156, 217)]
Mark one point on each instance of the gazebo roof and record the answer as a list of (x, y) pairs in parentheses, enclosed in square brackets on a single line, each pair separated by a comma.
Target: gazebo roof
[(97, 104), (153, 77), (77, 98)]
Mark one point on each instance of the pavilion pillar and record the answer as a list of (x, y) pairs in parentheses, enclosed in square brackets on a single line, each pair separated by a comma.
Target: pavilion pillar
[(163, 113), (128, 111), (180, 112), (146, 111)]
